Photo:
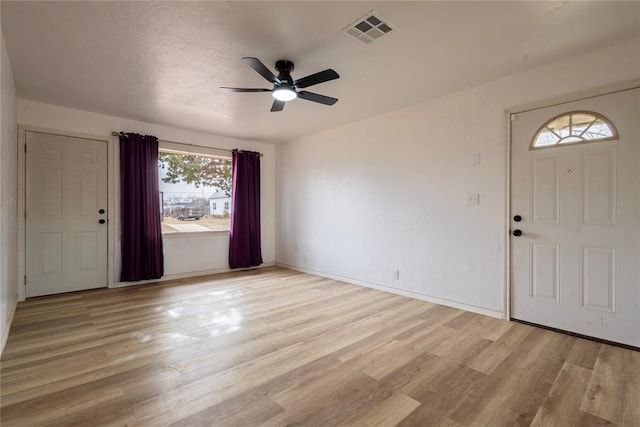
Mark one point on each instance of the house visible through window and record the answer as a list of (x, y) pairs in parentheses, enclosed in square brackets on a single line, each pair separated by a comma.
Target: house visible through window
[(193, 187)]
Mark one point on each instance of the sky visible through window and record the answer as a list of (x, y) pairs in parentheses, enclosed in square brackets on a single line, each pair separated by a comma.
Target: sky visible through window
[(182, 187)]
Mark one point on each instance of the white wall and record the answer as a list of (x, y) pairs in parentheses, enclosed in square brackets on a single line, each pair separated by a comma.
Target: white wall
[(187, 254), (8, 196), (336, 188)]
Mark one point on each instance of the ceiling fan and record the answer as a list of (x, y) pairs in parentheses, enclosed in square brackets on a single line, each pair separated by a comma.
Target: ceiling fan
[(284, 87)]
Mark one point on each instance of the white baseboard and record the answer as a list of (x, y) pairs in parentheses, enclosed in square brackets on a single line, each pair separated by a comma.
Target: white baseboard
[(410, 294), (188, 275), (7, 328)]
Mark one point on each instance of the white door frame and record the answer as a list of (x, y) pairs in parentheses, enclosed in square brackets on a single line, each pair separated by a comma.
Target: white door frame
[(577, 96), (22, 169)]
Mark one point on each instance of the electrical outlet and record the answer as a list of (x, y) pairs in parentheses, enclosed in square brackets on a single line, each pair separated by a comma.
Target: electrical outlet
[(396, 275), (473, 199), (475, 159), (304, 259), (295, 248)]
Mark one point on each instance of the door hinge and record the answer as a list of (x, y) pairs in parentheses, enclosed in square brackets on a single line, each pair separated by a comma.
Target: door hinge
[(513, 117), (25, 279), (25, 148)]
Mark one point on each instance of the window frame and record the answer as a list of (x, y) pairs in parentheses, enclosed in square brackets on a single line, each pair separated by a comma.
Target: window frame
[(599, 116), (197, 150)]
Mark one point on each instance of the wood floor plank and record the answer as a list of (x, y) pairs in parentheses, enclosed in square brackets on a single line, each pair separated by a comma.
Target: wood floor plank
[(616, 377), (239, 409), (276, 347), (486, 327), (562, 405), (246, 409), (535, 377), (496, 353), (441, 395), (488, 396), (584, 353), (386, 360), (390, 412)]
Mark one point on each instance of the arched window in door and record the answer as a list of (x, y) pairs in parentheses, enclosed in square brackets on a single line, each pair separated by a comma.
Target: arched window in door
[(574, 127)]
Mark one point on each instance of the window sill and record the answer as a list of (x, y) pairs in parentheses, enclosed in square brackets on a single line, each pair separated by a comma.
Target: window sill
[(190, 234)]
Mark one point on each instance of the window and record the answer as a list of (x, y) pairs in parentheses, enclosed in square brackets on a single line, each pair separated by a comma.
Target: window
[(192, 187), (574, 127)]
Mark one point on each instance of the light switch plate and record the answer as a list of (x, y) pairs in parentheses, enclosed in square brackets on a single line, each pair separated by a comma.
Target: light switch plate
[(473, 199)]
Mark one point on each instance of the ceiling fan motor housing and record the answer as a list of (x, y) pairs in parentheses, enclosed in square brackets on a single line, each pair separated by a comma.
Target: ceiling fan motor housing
[(285, 68)]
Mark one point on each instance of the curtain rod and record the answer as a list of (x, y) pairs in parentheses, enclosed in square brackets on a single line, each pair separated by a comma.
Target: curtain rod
[(114, 133)]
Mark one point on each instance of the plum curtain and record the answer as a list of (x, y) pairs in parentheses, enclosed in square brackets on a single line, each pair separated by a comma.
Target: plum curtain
[(141, 232), (244, 243)]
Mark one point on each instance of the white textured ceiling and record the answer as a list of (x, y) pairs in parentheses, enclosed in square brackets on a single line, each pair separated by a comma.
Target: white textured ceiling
[(163, 62)]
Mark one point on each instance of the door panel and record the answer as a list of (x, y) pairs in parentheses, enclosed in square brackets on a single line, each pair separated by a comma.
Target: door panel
[(545, 189), (576, 265), (544, 272), (599, 187), (66, 185), (599, 278)]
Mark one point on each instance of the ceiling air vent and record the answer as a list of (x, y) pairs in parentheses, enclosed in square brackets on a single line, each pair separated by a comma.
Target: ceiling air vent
[(369, 28)]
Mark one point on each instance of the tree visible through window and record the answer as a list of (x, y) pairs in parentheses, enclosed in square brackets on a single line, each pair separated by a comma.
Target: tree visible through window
[(192, 187), (574, 128)]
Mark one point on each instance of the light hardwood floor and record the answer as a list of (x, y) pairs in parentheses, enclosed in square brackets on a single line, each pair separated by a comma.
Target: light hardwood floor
[(275, 347)]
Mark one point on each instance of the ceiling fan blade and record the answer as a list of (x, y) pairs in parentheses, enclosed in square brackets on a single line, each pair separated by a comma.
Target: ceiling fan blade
[(241, 89), (310, 96), (261, 69), (314, 79), (277, 105)]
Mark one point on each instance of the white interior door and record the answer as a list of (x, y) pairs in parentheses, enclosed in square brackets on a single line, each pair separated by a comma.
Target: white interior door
[(575, 266), (66, 214)]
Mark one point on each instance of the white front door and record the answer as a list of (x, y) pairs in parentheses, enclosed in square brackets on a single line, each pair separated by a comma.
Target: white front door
[(66, 203), (576, 265)]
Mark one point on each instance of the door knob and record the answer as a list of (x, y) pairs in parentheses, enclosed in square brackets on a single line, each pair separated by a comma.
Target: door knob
[(517, 218), (517, 233), (102, 221), (101, 211)]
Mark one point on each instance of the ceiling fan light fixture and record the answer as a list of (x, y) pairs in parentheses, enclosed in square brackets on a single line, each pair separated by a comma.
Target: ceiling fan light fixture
[(284, 93)]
